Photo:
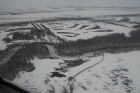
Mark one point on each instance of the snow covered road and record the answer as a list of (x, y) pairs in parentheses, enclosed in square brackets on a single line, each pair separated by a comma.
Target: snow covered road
[(55, 54)]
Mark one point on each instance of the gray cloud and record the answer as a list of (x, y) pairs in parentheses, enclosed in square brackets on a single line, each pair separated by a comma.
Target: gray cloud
[(55, 3)]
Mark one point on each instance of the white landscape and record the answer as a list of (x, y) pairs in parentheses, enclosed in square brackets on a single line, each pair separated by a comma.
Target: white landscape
[(115, 68), (118, 73)]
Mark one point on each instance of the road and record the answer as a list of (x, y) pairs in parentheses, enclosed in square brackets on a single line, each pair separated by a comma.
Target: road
[(89, 67), (55, 54)]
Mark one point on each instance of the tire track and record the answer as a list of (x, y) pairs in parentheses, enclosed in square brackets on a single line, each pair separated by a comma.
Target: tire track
[(89, 67)]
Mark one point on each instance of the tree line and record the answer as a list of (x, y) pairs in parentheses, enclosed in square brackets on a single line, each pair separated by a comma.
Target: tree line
[(99, 42)]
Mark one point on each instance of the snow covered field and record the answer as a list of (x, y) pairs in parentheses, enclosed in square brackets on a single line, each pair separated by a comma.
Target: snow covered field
[(118, 73), (65, 12), (74, 30), (79, 29)]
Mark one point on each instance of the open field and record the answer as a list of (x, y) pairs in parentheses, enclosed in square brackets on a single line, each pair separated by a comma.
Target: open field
[(77, 50)]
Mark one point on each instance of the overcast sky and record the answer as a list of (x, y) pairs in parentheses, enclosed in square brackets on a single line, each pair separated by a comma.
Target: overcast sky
[(56, 3)]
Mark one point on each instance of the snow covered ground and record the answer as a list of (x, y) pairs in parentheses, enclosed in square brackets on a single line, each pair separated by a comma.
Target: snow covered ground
[(64, 12), (74, 29), (118, 73), (77, 29)]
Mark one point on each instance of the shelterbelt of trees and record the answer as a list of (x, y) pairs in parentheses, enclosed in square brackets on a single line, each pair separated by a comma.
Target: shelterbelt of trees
[(116, 40)]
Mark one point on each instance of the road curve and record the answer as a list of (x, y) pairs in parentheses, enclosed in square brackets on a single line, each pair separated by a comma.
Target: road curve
[(55, 54), (89, 67)]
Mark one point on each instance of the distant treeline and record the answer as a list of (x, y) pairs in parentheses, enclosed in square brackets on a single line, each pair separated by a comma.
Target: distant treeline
[(21, 36), (20, 61), (116, 40), (24, 35), (16, 29)]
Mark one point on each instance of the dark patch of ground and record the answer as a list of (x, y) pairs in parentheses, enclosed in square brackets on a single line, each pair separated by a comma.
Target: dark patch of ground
[(65, 33), (19, 29), (60, 69), (125, 81), (103, 31), (115, 24), (96, 27), (82, 27), (57, 29), (57, 74), (23, 23), (20, 36), (72, 36), (74, 26), (74, 63), (136, 26)]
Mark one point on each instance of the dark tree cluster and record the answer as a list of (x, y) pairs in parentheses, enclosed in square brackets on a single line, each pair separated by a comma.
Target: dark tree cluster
[(22, 23), (20, 61), (48, 31), (7, 40), (116, 40), (74, 63), (20, 36), (82, 27), (135, 34), (125, 19), (35, 49), (4, 53), (16, 29), (25, 35), (96, 27), (74, 26), (10, 71), (38, 33), (122, 50), (136, 26)]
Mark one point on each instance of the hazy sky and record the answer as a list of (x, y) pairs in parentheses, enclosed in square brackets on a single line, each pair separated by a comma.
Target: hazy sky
[(55, 3)]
